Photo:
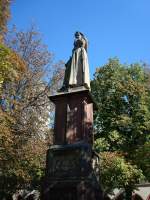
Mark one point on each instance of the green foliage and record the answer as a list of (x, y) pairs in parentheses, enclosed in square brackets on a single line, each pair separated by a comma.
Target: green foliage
[(117, 173), (122, 95), (5, 65), (142, 159), (122, 123)]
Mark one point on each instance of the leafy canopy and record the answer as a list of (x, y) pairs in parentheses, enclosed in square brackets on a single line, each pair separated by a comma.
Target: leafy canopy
[(122, 123), (123, 97)]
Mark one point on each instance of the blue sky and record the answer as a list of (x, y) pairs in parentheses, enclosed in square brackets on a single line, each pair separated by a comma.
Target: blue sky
[(113, 27)]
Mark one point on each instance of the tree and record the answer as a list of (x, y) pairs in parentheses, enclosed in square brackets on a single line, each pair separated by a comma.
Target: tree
[(40, 78), (11, 66), (4, 16), (24, 106), (11, 69), (142, 159), (122, 123), (117, 173), (28, 111)]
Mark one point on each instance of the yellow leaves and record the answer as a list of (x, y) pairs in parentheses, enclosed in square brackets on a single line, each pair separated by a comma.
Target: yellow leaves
[(5, 122), (4, 16), (11, 66), (6, 141), (124, 120), (18, 63), (22, 174)]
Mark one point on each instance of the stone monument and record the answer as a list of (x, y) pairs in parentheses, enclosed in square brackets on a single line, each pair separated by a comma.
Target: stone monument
[(72, 171)]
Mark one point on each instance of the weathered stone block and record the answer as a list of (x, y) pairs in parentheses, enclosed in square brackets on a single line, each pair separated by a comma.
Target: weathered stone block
[(71, 173)]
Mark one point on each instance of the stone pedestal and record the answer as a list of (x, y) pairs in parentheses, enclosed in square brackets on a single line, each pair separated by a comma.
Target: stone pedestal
[(73, 116), (71, 168)]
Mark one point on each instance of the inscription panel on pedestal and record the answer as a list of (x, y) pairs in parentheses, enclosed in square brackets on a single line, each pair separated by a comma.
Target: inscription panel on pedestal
[(64, 164), (70, 163)]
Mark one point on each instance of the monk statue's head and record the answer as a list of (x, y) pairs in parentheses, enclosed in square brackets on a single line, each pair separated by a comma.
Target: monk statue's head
[(78, 35)]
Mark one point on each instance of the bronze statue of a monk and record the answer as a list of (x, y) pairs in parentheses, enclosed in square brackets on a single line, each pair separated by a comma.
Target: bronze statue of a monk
[(77, 67)]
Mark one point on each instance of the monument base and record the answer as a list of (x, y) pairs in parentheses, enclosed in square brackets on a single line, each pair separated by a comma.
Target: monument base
[(71, 173), (73, 116)]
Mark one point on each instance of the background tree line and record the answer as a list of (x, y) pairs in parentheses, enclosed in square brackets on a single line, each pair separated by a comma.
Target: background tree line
[(122, 124)]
